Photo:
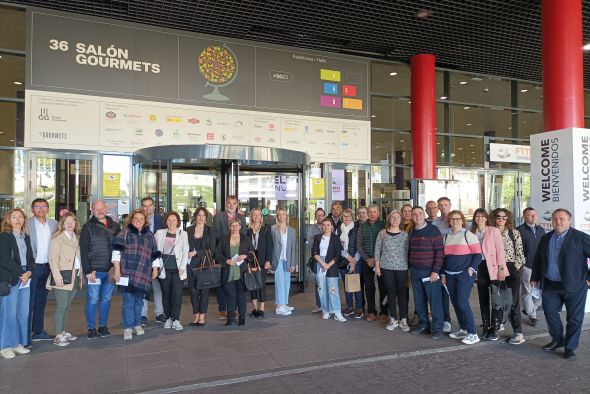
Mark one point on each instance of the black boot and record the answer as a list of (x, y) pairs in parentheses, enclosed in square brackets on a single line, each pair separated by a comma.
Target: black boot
[(230, 322), (493, 333), (485, 329)]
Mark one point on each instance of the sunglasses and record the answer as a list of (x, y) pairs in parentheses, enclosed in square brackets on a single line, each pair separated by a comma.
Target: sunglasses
[(501, 217)]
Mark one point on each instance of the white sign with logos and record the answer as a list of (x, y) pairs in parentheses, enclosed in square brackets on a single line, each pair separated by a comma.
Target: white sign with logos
[(508, 153)]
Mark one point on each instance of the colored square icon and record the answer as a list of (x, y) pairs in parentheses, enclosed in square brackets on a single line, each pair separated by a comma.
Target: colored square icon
[(349, 90), (350, 103), (330, 88), (329, 75), (330, 101)]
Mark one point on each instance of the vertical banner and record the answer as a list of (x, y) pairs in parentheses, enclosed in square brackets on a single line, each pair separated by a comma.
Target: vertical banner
[(317, 189), (111, 184), (338, 185)]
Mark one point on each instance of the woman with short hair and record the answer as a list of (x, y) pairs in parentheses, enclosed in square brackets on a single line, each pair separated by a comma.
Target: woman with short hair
[(16, 268), (64, 256), (173, 245)]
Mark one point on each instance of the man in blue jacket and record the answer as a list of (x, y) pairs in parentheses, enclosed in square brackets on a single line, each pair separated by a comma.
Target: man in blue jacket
[(561, 269)]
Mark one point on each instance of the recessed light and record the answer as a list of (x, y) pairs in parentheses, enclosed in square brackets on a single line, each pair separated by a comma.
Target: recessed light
[(586, 47), (1, 132), (17, 83), (438, 143), (410, 102), (393, 73), (509, 128), (424, 14), (468, 124), (476, 79), (443, 97), (466, 107), (473, 158), (10, 140), (460, 148), (471, 145), (373, 116), (472, 153), (463, 83), (524, 90), (401, 140)]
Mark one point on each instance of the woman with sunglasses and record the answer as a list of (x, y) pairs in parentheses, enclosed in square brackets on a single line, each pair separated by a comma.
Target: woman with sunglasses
[(492, 268), (514, 253)]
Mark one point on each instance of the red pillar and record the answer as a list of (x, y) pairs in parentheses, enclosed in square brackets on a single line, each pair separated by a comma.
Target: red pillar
[(423, 116), (563, 79)]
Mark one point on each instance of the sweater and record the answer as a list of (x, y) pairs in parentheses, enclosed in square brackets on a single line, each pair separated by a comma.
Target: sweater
[(425, 250), (462, 250), (530, 242), (392, 251), (366, 238)]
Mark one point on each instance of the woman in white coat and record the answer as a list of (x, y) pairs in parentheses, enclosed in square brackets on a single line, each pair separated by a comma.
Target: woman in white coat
[(173, 244), (284, 260)]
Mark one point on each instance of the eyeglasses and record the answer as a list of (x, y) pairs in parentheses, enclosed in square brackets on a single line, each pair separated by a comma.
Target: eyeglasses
[(501, 217), (40, 207)]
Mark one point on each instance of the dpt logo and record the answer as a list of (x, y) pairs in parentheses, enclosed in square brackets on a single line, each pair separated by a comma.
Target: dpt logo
[(44, 115)]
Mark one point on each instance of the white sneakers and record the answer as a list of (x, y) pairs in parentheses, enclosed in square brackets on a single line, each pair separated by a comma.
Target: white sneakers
[(127, 334), (61, 340), (176, 325), (69, 337), (447, 327), (470, 339), (138, 330), (7, 354), (20, 350), (338, 317), (392, 324), (168, 324), (284, 310), (325, 315), (459, 334), (403, 324), (289, 308)]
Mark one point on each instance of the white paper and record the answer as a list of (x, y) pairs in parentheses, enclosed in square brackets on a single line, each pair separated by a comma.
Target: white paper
[(536, 292), (123, 281), (322, 273), (97, 282), (239, 262), (24, 285), (427, 279), (235, 257)]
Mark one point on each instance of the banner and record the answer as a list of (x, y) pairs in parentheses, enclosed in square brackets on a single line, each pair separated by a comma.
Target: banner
[(338, 192), (111, 184)]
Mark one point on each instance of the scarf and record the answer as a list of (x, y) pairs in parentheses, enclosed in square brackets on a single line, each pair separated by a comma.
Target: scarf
[(344, 235)]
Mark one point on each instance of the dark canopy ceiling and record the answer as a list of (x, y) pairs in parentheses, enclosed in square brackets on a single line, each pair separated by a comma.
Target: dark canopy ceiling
[(495, 37)]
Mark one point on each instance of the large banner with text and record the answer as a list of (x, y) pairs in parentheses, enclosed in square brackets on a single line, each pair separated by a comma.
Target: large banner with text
[(125, 86)]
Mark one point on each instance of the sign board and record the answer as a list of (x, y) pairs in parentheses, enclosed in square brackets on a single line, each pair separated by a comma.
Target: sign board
[(338, 192), (317, 189), (508, 153), (111, 184)]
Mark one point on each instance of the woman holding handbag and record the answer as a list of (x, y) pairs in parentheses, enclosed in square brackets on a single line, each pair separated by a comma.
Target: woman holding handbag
[(201, 240), (514, 252), (262, 243), (284, 261), (491, 270), (391, 264), (16, 267), (66, 275), (326, 251), (232, 254), (173, 245), (135, 258), (349, 264)]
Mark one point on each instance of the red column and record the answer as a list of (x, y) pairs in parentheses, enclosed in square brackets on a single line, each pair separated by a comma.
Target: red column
[(563, 79), (423, 116)]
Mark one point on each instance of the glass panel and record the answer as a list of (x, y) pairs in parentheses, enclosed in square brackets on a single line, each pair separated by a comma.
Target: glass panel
[(469, 191), (391, 187), (9, 122), (153, 183), (479, 89), (492, 122), (191, 190), (392, 147), (390, 78), (530, 96), (66, 184), (501, 190), (116, 186), (12, 76), (530, 123), (466, 152), (12, 28), (12, 184)]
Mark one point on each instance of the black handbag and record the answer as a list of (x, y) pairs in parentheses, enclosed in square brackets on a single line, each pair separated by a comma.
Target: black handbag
[(66, 275), (208, 273), (501, 296), (253, 275)]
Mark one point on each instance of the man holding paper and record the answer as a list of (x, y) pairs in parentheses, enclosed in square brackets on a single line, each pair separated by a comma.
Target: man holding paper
[(425, 258)]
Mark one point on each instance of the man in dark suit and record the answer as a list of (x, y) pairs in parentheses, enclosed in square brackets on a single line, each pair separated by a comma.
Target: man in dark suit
[(561, 268)]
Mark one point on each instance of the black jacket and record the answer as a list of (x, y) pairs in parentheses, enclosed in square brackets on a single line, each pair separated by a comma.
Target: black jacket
[(530, 242), (334, 252), (223, 253), (96, 244), (208, 243), (573, 254), (10, 268), (265, 245)]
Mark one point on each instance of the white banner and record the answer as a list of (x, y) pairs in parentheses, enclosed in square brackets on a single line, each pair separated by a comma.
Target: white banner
[(338, 185), (508, 153)]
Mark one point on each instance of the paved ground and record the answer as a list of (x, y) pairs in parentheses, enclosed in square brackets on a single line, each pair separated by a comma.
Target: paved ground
[(301, 353)]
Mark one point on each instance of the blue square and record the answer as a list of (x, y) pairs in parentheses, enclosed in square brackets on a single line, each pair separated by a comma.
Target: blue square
[(330, 88)]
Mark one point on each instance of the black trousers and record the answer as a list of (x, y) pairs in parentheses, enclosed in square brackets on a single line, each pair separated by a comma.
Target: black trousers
[(394, 286), (199, 297), (236, 295), (260, 294), (171, 294), (368, 279), (489, 318), (513, 282)]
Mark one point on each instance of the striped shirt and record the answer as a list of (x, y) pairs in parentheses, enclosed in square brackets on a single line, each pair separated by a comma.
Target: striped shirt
[(462, 250), (426, 249)]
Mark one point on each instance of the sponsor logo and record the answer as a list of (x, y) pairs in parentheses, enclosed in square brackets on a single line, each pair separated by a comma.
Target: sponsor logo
[(210, 136), (271, 126), (193, 121), (53, 135), (239, 123), (257, 139), (173, 119), (139, 132), (223, 137), (153, 118), (176, 133), (110, 115), (44, 115), (547, 216), (159, 132), (132, 116), (208, 122)]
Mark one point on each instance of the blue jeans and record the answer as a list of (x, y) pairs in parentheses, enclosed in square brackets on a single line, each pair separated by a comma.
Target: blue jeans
[(132, 304), (460, 286), (358, 297), (38, 298), (329, 294), (282, 283), (99, 297), (427, 293), (14, 317)]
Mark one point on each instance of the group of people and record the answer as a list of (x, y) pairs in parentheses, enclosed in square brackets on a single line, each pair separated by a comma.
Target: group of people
[(438, 257)]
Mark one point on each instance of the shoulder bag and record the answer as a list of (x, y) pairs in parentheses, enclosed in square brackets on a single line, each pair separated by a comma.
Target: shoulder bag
[(501, 296), (253, 276), (66, 275), (208, 273)]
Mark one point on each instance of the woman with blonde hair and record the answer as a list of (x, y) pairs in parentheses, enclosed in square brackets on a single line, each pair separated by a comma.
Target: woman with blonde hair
[(261, 238), (16, 267), (66, 275), (284, 261)]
